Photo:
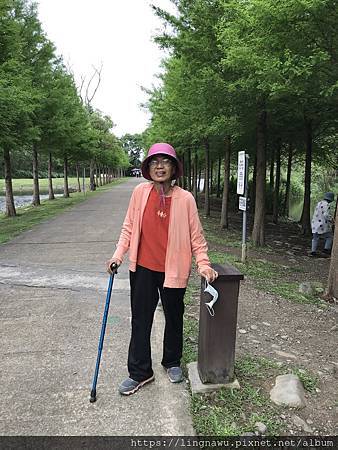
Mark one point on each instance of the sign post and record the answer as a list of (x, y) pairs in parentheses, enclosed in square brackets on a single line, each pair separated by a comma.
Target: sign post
[(242, 190), (84, 181), (241, 173)]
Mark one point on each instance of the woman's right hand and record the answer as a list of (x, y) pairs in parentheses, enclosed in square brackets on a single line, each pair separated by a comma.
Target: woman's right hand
[(209, 274), (111, 261)]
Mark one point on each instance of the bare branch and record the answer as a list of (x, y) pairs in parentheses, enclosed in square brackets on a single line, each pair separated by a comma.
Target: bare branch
[(83, 79), (97, 72), (69, 68)]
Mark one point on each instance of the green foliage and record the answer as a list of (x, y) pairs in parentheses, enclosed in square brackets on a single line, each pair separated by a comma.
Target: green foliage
[(39, 102), (190, 327), (105, 148), (134, 146), (17, 98), (310, 381), (232, 412), (254, 367), (190, 341), (231, 59)]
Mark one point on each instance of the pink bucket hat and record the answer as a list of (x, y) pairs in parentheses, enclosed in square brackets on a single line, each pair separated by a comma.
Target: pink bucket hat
[(161, 149)]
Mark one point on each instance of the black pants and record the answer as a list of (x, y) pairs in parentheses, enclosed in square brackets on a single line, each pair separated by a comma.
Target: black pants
[(145, 287)]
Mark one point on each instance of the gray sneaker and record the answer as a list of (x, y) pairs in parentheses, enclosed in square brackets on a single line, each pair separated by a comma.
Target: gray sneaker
[(175, 374), (130, 386)]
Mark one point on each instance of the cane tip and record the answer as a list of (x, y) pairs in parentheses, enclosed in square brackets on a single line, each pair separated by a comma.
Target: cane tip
[(92, 396)]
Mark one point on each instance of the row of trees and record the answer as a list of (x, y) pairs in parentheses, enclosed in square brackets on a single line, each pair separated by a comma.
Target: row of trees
[(41, 110), (254, 75)]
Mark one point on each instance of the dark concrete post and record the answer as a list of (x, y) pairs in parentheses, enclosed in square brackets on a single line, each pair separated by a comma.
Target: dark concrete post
[(217, 334)]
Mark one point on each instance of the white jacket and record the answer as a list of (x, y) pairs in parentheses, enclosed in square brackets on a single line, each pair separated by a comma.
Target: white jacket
[(322, 218)]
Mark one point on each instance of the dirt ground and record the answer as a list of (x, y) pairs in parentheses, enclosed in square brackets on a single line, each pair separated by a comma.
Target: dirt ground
[(295, 335)]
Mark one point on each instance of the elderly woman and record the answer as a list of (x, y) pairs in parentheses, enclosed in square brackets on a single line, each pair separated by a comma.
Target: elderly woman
[(162, 232)]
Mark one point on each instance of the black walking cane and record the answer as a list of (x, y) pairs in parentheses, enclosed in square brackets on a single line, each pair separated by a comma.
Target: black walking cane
[(103, 330)]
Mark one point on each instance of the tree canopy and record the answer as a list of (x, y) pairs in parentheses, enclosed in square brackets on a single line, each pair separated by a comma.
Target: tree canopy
[(41, 110), (261, 74)]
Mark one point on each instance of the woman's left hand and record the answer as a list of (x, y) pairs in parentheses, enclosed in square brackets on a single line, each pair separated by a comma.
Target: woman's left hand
[(209, 274)]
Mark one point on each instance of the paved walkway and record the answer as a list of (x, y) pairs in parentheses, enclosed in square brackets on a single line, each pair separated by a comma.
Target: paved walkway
[(52, 294)]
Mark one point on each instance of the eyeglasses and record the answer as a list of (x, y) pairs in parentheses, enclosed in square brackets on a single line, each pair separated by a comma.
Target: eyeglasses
[(165, 162)]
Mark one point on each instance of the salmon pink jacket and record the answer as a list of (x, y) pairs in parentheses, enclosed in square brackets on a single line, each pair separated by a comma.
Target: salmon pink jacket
[(185, 235)]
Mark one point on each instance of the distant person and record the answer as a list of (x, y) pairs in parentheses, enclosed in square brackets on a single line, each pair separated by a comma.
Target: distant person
[(162, 232), (322, 222)]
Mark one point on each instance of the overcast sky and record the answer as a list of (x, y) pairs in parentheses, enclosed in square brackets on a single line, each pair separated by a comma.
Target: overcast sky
[(118, 34)]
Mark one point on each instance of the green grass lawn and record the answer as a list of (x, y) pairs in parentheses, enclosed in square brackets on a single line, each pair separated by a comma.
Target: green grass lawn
[(29, 216), (22, 186)]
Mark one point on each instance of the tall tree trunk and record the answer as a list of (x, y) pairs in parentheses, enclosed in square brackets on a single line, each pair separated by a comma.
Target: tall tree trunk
[(218, 193), (277, 186), (78, 177), (10, 207), (189, 170), (91, 175), (184, 178), (258, 232), (206, 180), (288, 183), (51, 195), (252, 194), (225, 199), (95, 176), (211, 165), (199, 180), (332, 286), (272, 169), (65, 179), (36, 191), (305, 220), (194, 177), (100, 175)]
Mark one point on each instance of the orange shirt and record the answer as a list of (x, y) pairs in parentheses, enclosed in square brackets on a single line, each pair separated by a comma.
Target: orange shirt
[(185, 235), (154, 233)]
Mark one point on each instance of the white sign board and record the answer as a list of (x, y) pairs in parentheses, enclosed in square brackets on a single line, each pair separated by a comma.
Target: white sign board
[(241, 173), (242, 203)]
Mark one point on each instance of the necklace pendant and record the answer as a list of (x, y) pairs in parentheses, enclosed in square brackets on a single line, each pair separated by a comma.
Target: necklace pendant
[(161, 214)]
